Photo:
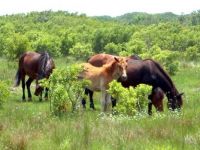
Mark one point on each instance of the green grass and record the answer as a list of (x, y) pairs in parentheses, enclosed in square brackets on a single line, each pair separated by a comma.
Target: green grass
[(30, 125)]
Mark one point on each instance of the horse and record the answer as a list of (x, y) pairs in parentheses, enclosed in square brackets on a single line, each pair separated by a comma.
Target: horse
[(100, 77), (36, 66), (148, 72)]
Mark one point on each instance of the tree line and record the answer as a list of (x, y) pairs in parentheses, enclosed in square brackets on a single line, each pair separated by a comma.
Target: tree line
[(62, 33)]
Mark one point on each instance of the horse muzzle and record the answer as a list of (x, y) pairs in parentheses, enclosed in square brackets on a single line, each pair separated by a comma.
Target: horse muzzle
[(124, 78)]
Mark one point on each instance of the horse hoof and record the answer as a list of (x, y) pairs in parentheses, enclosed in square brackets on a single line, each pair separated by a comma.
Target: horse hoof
[(30, 99), (23, 100), (46, 98)]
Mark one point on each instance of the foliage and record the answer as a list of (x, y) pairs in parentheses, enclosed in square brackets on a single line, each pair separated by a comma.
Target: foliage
[(129, 100), (65, 90), (112, 48), (192, 53), (167, 58), (62, 33), (48, 43), (4, 92), (16, 46), (81, 51)]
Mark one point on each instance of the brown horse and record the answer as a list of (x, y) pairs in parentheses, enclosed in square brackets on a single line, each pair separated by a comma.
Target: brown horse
[(37, 66), (100, 77), (156, 98), (147, 72)]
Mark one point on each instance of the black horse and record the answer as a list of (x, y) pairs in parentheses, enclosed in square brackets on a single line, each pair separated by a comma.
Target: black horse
[(142, 71), (37, 66), (151, 73)]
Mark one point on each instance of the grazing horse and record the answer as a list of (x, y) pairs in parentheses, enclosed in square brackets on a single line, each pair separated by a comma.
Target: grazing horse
[(147, 72), (37, 66), (150, 72), (100, 77)]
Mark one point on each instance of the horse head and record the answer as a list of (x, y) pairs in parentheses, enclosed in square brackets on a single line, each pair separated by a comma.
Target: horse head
[(175, 100), (38, 90), (121, 67)]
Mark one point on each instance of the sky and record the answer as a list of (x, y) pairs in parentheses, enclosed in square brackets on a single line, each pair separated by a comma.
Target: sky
[(100, 7)]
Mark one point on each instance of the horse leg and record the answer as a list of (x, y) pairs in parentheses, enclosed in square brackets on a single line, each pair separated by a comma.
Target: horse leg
[(150, 103), (103, 101), (28, 83), (114, 102), (46, 93), (108, 100), (91, 99), (23, 88), (40, 97), (150, 108), (83, 100), (157, 99)]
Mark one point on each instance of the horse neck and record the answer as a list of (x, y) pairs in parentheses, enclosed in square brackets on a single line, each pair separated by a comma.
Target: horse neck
[(168, 86), (44, 58), (111, 69)]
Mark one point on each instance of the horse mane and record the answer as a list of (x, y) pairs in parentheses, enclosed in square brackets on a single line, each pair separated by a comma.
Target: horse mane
[(163, 72), (135, 57), (44, 57)]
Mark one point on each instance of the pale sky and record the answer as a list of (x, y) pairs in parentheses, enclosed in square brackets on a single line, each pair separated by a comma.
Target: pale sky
[(100, 7)]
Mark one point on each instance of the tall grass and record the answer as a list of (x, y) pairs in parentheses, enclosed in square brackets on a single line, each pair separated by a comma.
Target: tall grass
[(30, 126)]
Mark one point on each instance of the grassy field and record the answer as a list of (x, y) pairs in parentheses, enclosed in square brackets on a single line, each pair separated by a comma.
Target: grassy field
[(30, 125)]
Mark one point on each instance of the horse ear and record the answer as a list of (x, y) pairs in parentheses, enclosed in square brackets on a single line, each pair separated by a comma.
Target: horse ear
[(117, 59), (180, 94)]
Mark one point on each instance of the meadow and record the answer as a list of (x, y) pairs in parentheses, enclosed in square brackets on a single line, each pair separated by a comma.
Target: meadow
[(31, 126)]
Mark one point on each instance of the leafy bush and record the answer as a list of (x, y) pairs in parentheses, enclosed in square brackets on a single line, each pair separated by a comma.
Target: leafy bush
[(192, 53), (65, 90), (81, 51), (49, 43), (167, 58), (130, 100), (15, 46), (112, 48), (4, 92)]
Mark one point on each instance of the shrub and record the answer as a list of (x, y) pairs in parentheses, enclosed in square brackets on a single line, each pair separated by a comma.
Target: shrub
[(129, 100), (65, 90), (49, 43), (167, 58), (192, 53), (15, 46), (81, 50)]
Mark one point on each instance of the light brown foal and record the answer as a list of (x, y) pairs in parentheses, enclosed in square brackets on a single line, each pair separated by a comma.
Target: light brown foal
[(100, 77)]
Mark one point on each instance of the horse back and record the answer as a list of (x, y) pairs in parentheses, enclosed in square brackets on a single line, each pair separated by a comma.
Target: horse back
[(99, 60), (29, 63)]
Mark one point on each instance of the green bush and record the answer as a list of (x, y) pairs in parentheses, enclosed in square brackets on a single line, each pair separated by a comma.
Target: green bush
[(167, 58), (49, 43), (129, 100), (192, 53), (65, 90), (4, 92), (81, 50), (15, 46)]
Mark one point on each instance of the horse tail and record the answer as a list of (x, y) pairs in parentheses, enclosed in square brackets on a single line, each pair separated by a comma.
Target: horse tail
[(17, 78)]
